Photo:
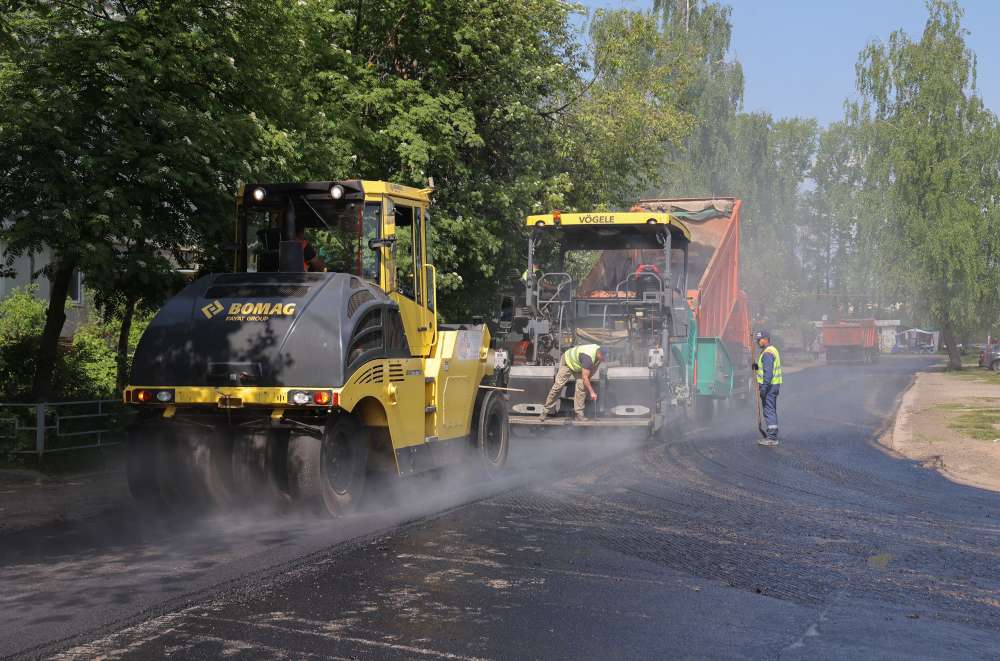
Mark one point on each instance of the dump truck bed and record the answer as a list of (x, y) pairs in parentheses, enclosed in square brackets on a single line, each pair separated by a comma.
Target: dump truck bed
[(850, 333), (850, 340)]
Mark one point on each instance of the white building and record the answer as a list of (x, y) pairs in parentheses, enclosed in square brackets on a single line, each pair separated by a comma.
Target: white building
[(27, 271), (887, 331)]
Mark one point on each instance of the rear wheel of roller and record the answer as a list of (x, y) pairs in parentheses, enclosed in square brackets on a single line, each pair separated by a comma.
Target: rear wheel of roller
[(192, 470), (257, 458), (328, 475), (493, 433), (209, 456)]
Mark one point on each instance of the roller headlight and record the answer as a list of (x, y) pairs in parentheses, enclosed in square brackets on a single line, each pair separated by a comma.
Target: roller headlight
[(336, 191), (258, 194), (301, 398)]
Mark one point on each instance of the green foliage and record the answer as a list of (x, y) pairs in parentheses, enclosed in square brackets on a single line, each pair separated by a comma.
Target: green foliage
[(978, 422), (90, 366), (579, 263), (125, 130), (84, 370), (755, 157), (935, 153), (21, 318), (21, 314)]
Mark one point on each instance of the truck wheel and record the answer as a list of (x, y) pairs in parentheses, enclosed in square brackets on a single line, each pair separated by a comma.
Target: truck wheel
[(493, 434), (328, 476)]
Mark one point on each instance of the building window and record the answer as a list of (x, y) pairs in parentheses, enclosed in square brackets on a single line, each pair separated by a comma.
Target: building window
[(76, 287)]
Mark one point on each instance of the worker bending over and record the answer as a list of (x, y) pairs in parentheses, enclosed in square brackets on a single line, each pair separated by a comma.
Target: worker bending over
[(580, 363), (768, 367)]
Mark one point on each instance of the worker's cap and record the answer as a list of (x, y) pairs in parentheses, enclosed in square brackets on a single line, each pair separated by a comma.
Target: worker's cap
[(762, 334), (603, 351)]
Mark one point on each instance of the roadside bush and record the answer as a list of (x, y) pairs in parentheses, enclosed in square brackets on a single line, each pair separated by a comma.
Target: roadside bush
[(22, 317), (84, 370)]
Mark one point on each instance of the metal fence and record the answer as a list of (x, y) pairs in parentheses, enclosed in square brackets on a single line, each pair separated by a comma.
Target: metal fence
[(43, 428)]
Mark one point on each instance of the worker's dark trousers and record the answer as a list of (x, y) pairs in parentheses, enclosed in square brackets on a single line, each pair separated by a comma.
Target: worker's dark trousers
[(769, 404)]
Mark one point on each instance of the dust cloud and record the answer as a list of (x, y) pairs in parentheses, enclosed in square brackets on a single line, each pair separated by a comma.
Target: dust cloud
[(78, 575)]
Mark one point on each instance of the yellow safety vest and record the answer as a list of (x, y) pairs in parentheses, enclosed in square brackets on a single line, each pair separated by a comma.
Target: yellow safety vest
[(572, 356), (776, 374)]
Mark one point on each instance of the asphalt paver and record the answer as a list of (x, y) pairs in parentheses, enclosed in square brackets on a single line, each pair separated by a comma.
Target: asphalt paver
[(708, 547)]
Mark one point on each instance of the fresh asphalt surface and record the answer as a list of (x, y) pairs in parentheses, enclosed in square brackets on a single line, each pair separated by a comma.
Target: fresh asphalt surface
[(604, 548)]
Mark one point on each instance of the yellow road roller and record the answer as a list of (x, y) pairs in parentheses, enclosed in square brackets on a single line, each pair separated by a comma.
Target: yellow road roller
[(318, 362)]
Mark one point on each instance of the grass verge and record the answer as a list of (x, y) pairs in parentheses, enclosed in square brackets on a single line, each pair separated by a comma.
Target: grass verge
[(979, 422)]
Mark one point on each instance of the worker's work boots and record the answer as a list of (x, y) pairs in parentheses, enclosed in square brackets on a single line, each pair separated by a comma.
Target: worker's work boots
[(580, 418), (767, 442)]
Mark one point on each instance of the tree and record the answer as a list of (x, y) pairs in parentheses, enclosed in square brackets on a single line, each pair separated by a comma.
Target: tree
[(700, 166), (503, 107), (127, 124), (940, 164), (767, 169)]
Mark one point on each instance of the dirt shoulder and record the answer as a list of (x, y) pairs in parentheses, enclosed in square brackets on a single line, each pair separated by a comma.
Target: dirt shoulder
[(950, 422)]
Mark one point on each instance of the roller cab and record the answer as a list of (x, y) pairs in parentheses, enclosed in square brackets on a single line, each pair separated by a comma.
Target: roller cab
[(316, 362)]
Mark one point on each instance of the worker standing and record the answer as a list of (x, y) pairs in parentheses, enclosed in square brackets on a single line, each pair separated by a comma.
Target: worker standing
[(581, 363), (768, 368)]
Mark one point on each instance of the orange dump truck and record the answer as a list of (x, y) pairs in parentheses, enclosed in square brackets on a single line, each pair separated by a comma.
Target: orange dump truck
[(850, 340)]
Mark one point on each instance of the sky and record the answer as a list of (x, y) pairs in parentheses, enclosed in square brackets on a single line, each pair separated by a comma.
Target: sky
[(798, 56)]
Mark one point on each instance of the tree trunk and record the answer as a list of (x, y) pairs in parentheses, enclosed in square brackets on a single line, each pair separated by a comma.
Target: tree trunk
[(123, 335), (55, 318), (954, 357)]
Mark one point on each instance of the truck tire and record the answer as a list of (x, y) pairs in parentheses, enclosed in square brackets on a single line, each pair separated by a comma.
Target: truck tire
[(327, 476), (492, 433)]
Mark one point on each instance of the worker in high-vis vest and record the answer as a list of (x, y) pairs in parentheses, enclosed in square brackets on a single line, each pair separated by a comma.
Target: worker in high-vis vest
[(581, 363), (768, 368)]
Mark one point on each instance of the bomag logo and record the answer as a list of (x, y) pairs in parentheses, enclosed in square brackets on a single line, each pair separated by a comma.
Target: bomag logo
[(605, 219), (212, 309), (258, 311)]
